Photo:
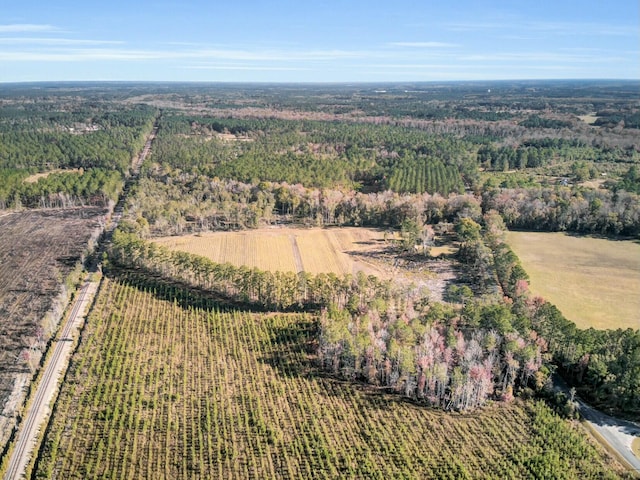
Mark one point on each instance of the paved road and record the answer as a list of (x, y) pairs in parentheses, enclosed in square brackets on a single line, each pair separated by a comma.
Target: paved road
[(37, 413), (618, 434)]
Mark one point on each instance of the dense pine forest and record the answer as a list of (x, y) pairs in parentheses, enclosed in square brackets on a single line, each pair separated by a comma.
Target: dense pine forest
[(84, 151)]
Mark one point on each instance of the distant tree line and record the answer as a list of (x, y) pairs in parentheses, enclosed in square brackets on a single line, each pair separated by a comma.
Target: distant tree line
[(566, 209), (316, 154), (111, 145), (96, 187), (536, 121), (99, 151), (174, 204), (420, 175), (613, 118), (171, 202), (630, 182), (536, 153)]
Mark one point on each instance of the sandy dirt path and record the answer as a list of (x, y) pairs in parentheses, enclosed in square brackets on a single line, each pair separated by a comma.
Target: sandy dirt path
[(38, 411), (297, 258)]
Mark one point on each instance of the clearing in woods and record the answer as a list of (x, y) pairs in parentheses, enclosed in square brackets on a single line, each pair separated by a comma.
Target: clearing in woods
[(339, 250), (317, 250), (594, 282), (166, 384), (37, 176)]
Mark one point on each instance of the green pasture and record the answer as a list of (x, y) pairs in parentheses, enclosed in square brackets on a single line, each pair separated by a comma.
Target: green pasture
[(594, 282)]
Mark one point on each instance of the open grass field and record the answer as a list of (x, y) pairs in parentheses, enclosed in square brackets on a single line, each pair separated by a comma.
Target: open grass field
[(38, 250), (313, 250), (594, 282), (165, 385), (340, 250)]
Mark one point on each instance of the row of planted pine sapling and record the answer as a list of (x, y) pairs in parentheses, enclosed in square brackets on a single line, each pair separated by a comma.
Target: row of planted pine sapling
[(161, 389)]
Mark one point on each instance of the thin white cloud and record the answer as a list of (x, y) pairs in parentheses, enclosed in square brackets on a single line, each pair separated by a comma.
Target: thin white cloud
[(246, 67), (27, 27), (474, 26), (47, 41), (588, 28), (54, 50), (100, 54), (543, 57), (557, 28), (77, 55), (424, 44), (415, 66), (183, 44)]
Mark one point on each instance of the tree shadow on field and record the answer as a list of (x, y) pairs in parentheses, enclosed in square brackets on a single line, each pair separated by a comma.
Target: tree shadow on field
[(182, 293), (290, 349), (188, 295), (604, 236), (291, 352)]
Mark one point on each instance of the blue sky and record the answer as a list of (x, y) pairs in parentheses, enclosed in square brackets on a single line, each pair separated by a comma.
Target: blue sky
[(318, 41)]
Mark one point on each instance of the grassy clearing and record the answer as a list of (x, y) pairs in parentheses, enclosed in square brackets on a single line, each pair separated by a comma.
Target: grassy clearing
[(589, 119), (321, 250), (443, 251), (594, 282), (595, 184), (162, 389), (37, 176)]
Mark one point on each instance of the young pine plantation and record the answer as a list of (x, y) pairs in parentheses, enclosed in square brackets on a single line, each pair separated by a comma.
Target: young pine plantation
[(166, 384)]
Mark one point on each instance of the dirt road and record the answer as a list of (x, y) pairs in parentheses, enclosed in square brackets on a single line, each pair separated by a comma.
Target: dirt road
[(37, 413)]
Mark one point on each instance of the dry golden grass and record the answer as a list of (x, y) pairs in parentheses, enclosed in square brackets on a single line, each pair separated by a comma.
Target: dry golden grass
[(321, 253), (590, 119), (597, 183), (320, 250), (635, 447), (230, 137), (594, 282), (444, 250), (268, 251), (37, 176)]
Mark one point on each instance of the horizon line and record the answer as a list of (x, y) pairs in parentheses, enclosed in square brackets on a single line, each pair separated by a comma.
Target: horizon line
[(327, 82)]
